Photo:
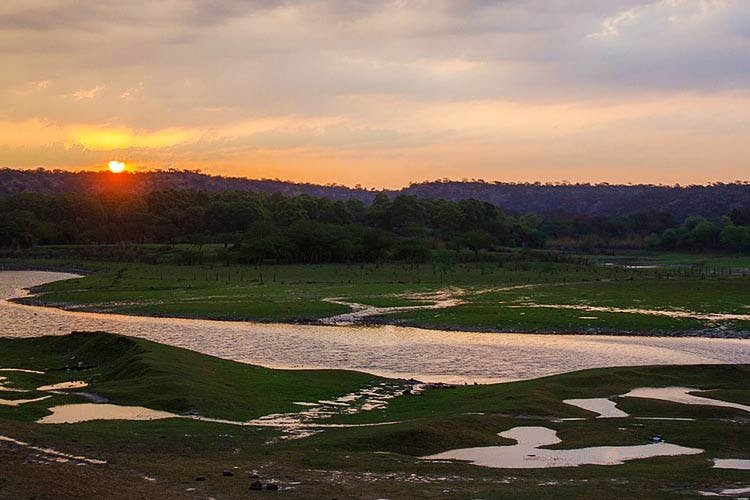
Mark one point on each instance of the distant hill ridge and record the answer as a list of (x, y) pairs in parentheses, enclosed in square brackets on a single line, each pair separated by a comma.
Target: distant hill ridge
[(713, 201)]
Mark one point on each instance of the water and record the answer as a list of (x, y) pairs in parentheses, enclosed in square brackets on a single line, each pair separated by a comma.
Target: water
[(606, 408), (528, 454), (681, 395), (429, 355), (732, 463)]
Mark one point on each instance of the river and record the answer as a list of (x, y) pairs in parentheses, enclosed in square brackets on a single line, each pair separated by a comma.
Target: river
[(428, 355)]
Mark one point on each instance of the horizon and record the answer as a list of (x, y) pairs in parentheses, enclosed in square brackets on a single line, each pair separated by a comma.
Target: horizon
[(382, 93), (444, 180)]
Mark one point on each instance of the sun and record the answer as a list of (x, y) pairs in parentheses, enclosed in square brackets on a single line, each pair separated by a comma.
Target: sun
[(116, 167)]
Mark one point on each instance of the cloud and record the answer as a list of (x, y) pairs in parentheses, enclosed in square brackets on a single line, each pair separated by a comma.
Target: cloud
[(185, 79), (88, 93)]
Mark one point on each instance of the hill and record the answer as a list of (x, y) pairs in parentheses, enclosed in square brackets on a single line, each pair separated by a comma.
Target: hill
[(712, 201)]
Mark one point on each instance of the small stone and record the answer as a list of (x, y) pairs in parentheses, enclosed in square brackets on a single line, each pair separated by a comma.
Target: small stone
[(227, 473), (200, 478), (256, 486)]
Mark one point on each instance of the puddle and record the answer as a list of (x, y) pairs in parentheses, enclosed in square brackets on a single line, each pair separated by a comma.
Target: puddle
[(527, 454), (681, 395), (3, 388), (292, 425), (649, 312), (84, 412), (604, 407), (18, 402), (76, 384), (53, 388), (48, 454), (727, 492), (676, 419), (732, 463), (21, 370), (307, 422)]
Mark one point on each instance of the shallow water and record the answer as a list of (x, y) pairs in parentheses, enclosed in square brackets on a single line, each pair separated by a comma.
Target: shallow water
[(430, 355), (50, 455), (648, 312), (732, 463), (75, 384), (441, 299), (726, 492), (606, 408), (84, 412), (681, 395), (19, 402), (527, 454), (4, 388), (292, 425)]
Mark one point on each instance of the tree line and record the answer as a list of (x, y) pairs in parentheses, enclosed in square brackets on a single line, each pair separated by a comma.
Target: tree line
[(261, 227), (711, 201)]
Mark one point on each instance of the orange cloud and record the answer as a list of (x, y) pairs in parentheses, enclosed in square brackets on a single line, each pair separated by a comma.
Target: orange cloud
[(109, 139)]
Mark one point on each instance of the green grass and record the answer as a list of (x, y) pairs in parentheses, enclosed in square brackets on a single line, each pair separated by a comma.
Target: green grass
[(360, 462), (507, 310)]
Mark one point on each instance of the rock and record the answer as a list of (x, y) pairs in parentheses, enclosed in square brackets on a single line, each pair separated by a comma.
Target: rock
[(227, 473), (256, 486), (272, 487), (200, 478)]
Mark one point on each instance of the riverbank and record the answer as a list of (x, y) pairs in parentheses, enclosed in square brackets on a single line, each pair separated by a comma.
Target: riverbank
[(374, 322), (391, 351)]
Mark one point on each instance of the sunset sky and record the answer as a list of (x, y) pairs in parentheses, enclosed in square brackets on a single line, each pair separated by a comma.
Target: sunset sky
[(381, 93)]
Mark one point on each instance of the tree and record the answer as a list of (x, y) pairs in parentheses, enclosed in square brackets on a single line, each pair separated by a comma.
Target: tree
[(740, 216), (413, 249), (735, 238), (477, 240)]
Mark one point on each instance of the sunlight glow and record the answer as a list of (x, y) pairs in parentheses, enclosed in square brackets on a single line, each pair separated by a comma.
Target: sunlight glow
[(116, 167)]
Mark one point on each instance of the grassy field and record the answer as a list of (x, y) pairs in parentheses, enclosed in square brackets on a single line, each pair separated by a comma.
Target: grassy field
[(518, 292), (164, 458)]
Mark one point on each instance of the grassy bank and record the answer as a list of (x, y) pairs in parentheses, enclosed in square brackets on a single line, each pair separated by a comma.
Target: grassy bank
[(516, 292), (164, 457)]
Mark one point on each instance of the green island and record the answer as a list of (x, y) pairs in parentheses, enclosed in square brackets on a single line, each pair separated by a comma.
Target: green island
[(513, 291), (371, 453)]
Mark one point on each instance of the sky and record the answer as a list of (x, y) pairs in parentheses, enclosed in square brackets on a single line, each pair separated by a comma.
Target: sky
[(381, 93)]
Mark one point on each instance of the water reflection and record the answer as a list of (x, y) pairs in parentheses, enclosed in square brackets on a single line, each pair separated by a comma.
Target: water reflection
[(429, 355), (528, 454)]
